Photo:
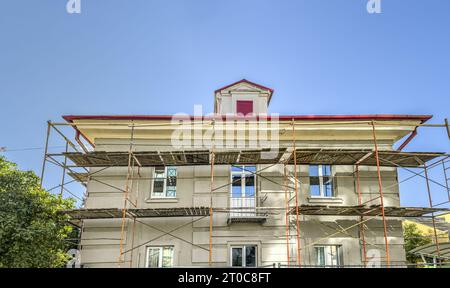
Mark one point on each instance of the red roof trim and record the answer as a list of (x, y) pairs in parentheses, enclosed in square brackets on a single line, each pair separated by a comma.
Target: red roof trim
[(245, 81), (422, 118)]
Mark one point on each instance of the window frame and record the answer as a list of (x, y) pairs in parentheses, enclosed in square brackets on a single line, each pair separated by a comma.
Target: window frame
[(160, 256), (339, 255), (243, 173), (321, 182), (164, 196), (244, 260)]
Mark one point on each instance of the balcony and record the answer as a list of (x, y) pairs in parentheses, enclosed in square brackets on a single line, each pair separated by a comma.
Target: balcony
[(245, 210)]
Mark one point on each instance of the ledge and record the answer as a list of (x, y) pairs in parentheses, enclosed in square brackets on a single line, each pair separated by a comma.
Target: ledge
[(162, 200), (246, 219), (325, 200)]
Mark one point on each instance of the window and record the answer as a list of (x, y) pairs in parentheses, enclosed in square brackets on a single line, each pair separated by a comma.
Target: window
[(328, 256), (243, 181), (244, 107), (243, 191), (164, 182), (321, 181), (159, 257), (243, 256)]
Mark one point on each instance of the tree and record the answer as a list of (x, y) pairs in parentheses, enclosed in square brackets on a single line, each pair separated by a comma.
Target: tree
[(413, 239), (32, 227)]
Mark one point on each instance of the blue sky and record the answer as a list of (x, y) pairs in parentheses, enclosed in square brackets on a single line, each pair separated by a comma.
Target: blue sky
[(164, 56)]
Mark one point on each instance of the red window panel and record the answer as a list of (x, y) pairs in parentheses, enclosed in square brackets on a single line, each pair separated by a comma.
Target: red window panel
[(244, 107)]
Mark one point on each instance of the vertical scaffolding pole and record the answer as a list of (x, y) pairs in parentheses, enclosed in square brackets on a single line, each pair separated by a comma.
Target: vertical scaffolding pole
[(297, 222), (430, 200), (361, 225), (286, 203), (133, 227), (380, 186), (211, 193), (132, 241), (45, 152), (446, 178), (448, 128), (134, 218), (127, 186), (210, 208), (64, 171)]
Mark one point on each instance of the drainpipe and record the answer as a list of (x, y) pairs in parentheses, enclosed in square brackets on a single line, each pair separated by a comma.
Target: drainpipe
[(77, 138), (411, 136)]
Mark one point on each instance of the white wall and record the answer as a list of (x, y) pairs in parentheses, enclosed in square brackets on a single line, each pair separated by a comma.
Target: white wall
[(100, 238)]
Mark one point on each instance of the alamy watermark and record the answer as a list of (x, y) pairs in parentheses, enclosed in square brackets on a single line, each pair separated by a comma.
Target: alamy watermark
[(229, 131), (73, 6), (75, 258), (373, 258), (373, 6)]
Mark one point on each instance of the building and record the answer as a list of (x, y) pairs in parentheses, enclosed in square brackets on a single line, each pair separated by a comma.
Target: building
[(425, 226), (328, 195)]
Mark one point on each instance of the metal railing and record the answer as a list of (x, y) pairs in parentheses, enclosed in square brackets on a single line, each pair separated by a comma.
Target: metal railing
[(242, 207)]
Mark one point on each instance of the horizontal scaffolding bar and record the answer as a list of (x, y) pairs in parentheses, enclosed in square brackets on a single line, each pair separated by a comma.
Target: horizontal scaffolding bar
[(362, 210), (260, 212), (107, 213), (202, 157), (364, 157)]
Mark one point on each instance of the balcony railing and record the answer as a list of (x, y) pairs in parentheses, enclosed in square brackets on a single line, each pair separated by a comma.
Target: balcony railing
[(245, 208)]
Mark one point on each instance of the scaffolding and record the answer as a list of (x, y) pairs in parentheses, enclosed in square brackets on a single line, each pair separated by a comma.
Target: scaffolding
[(82, 157)]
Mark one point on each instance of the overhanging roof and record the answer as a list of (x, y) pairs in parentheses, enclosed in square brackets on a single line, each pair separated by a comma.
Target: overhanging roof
[(390, 128), (431, 250), (375, 117)]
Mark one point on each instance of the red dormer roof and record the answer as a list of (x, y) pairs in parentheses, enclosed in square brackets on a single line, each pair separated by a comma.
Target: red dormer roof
[(245, 81), (248, 82)]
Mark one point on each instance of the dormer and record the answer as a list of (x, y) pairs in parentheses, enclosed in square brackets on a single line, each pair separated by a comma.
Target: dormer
[(242, 97)]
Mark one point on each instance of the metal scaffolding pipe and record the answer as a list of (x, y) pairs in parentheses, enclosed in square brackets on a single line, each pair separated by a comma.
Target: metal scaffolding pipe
[(127, 187), (446, 179), (286, 203), (297, 222), (380, 185), (361, 226), (45, 152), (211, 209), (430, 200)]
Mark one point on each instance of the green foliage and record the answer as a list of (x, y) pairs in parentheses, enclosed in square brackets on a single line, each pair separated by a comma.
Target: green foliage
[(32, 231), (413, 239)]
